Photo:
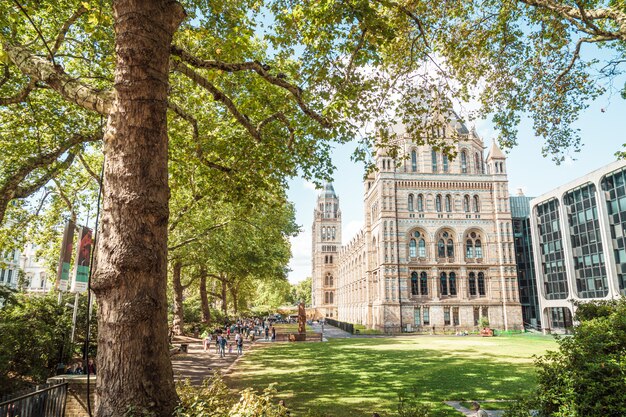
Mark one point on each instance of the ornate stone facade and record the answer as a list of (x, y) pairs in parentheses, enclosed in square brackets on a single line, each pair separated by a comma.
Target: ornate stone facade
[(436, 250)]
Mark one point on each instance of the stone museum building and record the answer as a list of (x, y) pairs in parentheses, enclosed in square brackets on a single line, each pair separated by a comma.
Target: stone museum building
[(436, 251)]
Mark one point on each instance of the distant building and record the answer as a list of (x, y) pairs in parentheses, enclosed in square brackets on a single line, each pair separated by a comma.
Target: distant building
[(579, 243), (526, 278), (9, 268), (24, 265), (326, 233), (436, 249)]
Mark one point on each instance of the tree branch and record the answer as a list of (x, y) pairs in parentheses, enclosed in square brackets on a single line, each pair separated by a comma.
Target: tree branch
[(11, 187), (260, 69), (572, 14), (66, 26), (89, 170), (197, 237), (69, 88), (282, 118), (411, 15), (218, 96), (19, 97), (194, 124)]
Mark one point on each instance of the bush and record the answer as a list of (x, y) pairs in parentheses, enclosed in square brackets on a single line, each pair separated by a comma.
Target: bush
[(585, 377), (213, 399), (35, 336)]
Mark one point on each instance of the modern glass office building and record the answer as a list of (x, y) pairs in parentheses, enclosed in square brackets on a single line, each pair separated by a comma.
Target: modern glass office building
[(579, 245), (526, 278)]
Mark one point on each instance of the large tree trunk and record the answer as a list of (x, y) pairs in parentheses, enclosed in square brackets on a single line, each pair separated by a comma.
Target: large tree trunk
[(204, 298), (224, 297), (234, 294), (178, 321), (134, 368)]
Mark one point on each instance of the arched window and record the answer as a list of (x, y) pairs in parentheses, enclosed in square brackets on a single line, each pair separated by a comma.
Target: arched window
[(414, 284), (463, 162), (469, 249), (443, 280), (412, 248), (323, 233), (466, 203), (452, 282), (450, 249), (331, 296), (448, 203), (477, 163), (481, 284), (424, 283), (413, 160), (422, 248), (479, 248), (445, 163), (334, 231), (328, 281), (410, 202), (434, 160), (420, 203), (438, 203), (472, 283), (441, 248), (476, 204)]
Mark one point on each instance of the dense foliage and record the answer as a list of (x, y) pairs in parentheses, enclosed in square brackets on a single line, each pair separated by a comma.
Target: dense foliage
[(585, 376), (36, 335), (214, 399)]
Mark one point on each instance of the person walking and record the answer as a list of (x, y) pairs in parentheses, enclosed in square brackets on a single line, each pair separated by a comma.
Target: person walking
[(267, 333), (239, 344), (273, 334), (223, 343)]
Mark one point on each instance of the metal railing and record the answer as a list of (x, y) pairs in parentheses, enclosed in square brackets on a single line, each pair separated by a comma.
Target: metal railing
[(46, 400)]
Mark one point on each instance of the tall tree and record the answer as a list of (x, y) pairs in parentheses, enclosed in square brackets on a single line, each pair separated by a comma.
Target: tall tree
[(254, 114)]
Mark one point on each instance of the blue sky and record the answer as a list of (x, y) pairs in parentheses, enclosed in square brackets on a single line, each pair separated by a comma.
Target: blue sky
[(603, 132)]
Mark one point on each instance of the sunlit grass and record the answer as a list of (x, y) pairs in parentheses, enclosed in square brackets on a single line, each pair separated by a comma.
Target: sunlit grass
[(350, 377)]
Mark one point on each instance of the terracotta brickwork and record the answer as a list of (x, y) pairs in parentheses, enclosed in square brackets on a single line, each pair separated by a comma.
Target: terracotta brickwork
[(437, 243)]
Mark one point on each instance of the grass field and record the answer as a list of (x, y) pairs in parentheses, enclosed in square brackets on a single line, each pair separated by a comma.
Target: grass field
[(290, 328), (355, 377)]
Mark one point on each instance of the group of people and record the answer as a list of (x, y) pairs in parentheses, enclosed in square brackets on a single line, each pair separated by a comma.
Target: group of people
[(79, 369), (233, 335)]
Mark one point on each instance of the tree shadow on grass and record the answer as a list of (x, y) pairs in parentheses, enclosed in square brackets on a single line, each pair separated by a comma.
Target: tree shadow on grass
[(341, 379)]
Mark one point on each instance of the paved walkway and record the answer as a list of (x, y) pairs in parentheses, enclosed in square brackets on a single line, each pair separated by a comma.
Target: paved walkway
[(197, 365), (330, 332)]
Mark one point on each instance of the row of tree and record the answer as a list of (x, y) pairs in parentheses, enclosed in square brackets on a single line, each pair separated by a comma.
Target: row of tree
[(219, 102)]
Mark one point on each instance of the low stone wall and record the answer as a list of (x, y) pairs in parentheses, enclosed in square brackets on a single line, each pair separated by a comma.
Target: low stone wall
[(76, 403)]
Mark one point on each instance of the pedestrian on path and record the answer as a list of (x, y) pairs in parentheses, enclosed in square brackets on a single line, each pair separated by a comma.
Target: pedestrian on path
[(273, 334), (240, 346), (222, 345), (206, 340)]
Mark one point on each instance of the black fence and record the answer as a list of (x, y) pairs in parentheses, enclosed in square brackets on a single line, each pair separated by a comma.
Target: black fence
[(346, 327), (46, 400)]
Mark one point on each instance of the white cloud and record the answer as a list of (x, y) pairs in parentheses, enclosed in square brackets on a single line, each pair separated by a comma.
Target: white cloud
[(309, 185), (300, 263)]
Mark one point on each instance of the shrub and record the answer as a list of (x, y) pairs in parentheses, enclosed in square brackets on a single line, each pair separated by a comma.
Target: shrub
[(585, 377), (213, 399)]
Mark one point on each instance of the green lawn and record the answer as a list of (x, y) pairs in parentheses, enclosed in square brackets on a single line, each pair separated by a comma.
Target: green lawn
[(290, 328), (351, 377)]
